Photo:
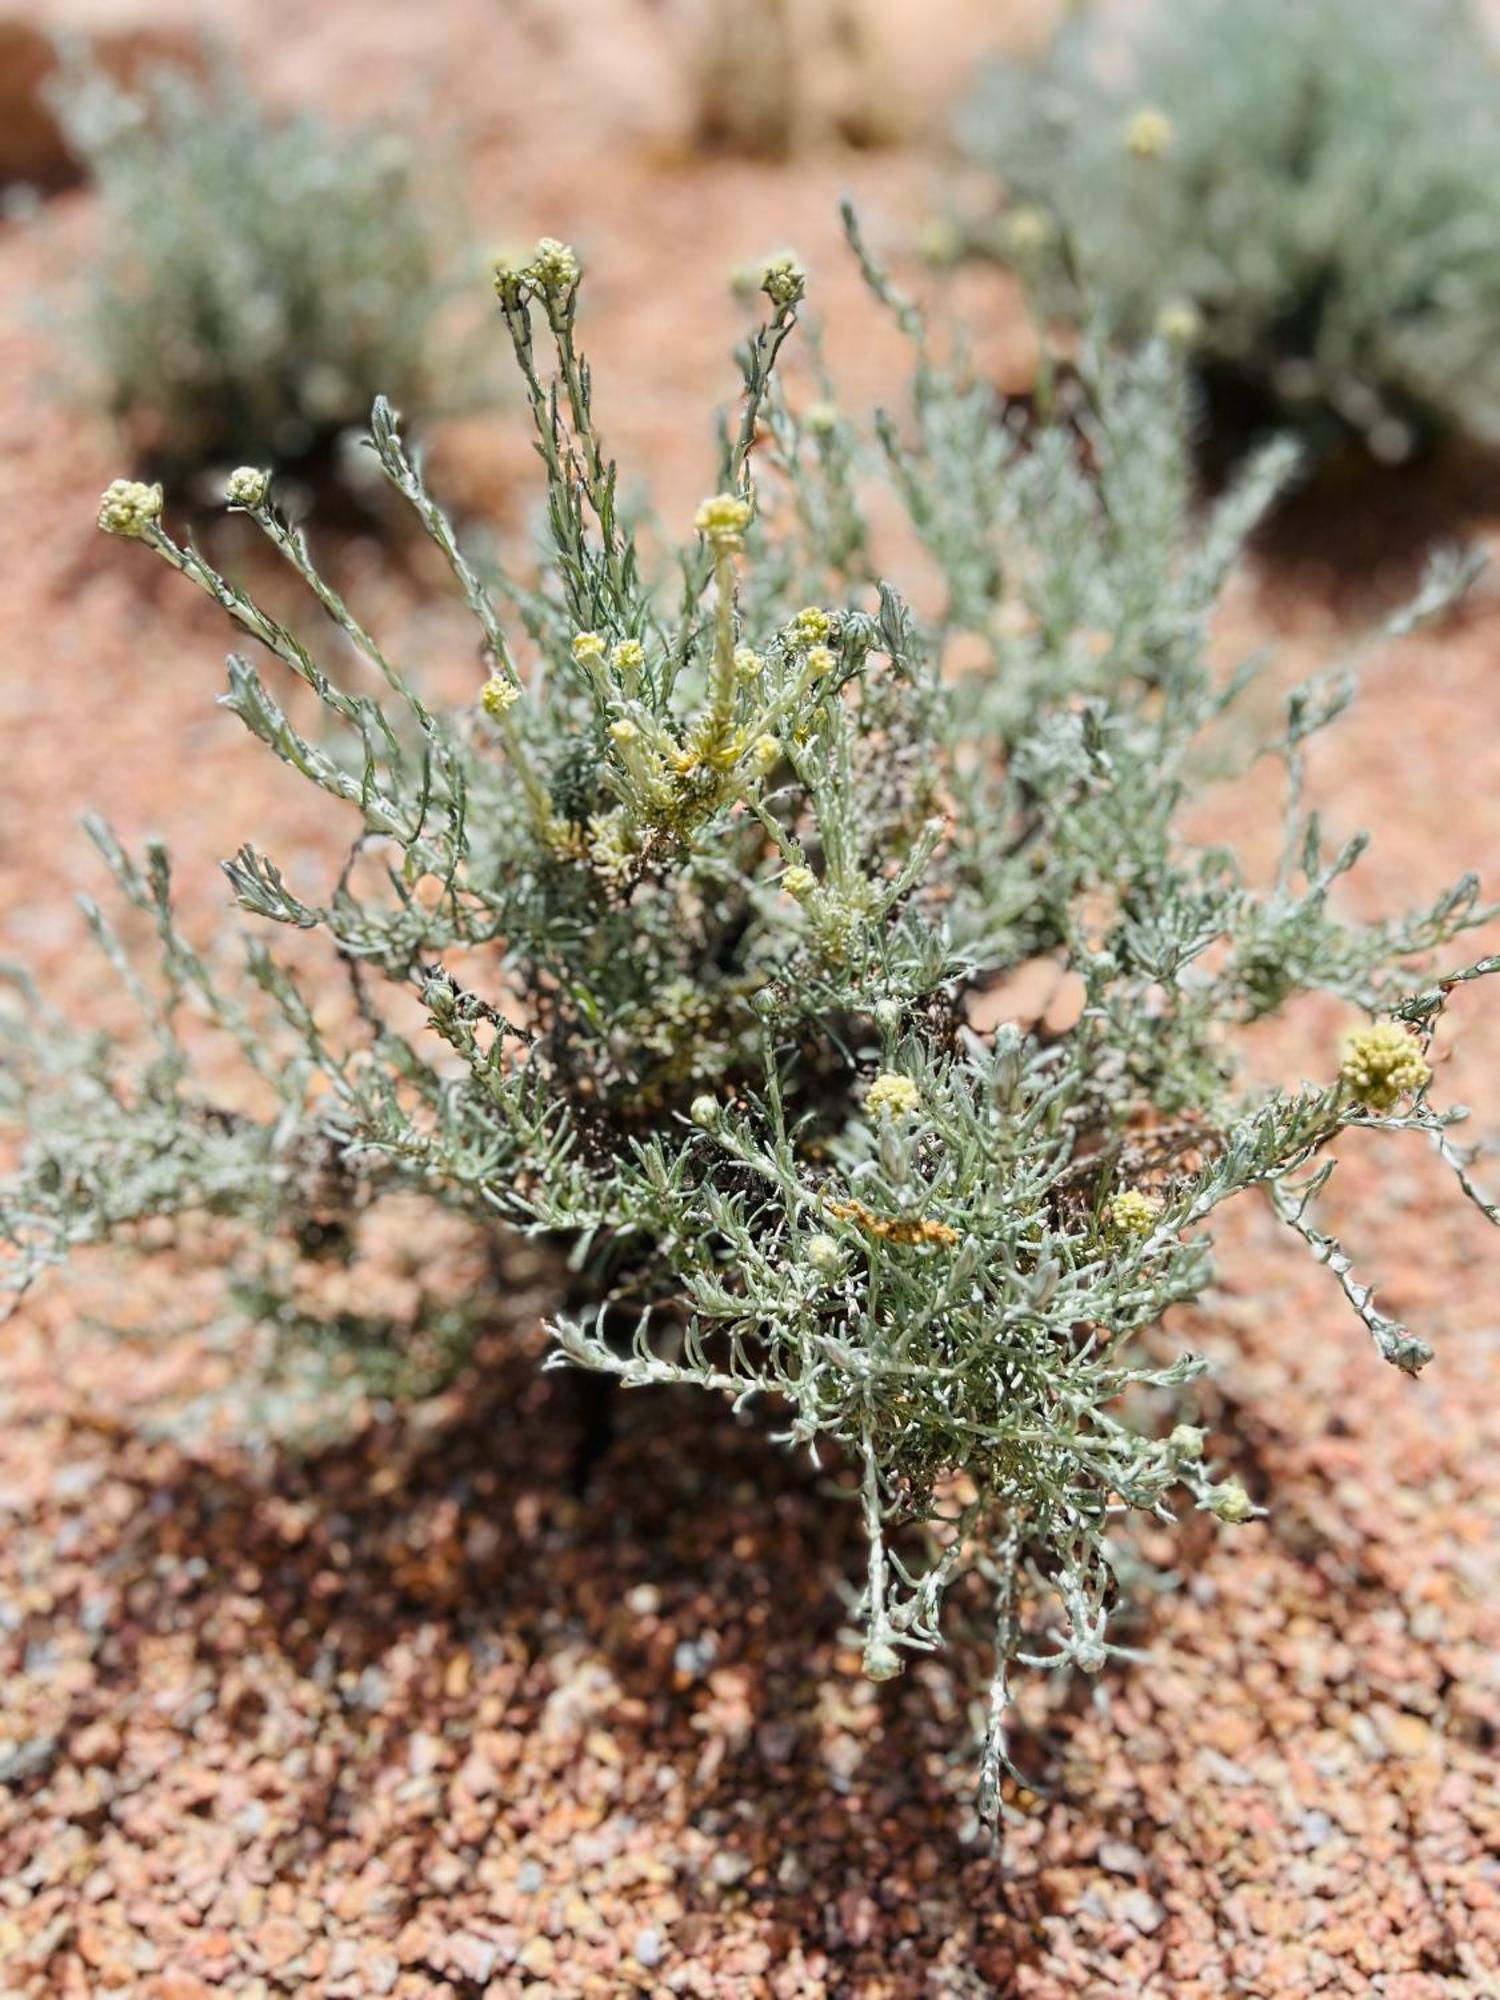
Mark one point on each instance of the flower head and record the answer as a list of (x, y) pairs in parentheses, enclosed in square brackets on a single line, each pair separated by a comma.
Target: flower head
[(941, 242), (247, 486), (704, 1111), (1149, 133), (893, 1094), (498, 695), (820, 660), (764, 754), (1231, 1503), (625, 731), (553, 268), (1382, 1064), (811, 626), (628, 657), (799, 881), (1029, 229), (825, 1254), (1131, 1213), (509, 272), (784, 281), (722, 522), (1179, 323), (748, 664), (129, 508)]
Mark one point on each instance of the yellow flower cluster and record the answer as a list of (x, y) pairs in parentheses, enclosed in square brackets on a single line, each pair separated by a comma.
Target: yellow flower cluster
[(1029, 229), (1382, 1063), (1131, 1213), (1231, 1503), (824, 1254), (129, 508), (892, 1093), (554, 266), (610, 845), (783, 281), (1179, 323), (551, 269), (247, 486), (1149, 133), (722, 522), (498, 695)]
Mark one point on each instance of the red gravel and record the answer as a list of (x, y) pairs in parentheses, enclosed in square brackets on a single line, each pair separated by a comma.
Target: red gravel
[(402, 1714)]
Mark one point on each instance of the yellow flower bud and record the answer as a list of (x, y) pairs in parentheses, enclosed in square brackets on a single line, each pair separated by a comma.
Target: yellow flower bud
[(1029, 229), (1231, 1503), (1382, 1064), (1149, 133), (783, 281), (722, 521), (553, 268), (892, 1093), (498, 695), (824, 1254), (1131, 1213), (509, 271), (1179, 323), (247, 486), (130, 509)]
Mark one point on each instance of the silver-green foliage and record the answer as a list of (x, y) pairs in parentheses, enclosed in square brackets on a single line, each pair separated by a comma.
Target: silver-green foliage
[(256, 281), (1319, 214), (693, 900)]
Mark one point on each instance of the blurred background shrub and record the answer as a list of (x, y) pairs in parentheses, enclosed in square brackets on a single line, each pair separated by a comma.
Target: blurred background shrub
[(258, 281), (1305, 194)]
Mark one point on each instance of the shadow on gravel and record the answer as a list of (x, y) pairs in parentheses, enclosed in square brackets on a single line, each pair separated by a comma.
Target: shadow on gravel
[(686, 1603)]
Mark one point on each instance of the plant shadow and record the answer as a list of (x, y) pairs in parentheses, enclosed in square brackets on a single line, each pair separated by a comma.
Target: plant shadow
[(672, 1639)]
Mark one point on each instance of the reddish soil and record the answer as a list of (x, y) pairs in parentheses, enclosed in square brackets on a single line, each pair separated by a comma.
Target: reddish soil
[(400, 1713)]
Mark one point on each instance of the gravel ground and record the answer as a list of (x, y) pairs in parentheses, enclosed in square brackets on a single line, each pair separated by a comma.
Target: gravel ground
[(407, 1712)]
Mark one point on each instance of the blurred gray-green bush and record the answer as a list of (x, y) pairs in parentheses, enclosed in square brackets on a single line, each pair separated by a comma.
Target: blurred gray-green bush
[(1305, 193), (258, 280)]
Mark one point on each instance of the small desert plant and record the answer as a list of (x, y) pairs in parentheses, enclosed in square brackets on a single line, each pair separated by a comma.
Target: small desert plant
[(665, 946), (257, 281), (1304, 193)]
